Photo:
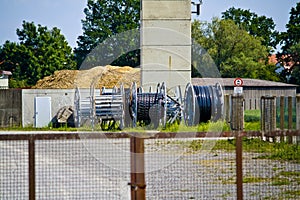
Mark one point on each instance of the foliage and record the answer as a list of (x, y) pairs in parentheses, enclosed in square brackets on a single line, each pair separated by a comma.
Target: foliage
[(257, 26), (233, 50), (39, 53), (291, 36), (295, 56), (290, 55), (104, 20)]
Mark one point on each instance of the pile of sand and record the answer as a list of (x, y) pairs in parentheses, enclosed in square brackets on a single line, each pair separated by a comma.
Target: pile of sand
[(108, 76)]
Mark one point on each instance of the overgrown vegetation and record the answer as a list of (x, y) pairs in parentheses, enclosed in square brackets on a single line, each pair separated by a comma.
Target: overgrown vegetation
[(277, 151), (252, 120), (217, 126)]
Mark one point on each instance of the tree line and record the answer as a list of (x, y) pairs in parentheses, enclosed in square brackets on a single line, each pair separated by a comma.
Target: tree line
[(239, 43)]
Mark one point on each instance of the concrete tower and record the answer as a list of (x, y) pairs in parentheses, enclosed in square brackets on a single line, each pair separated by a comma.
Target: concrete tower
[(166, 42)]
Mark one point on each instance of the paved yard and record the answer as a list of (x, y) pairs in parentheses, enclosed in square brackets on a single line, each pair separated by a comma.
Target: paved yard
[(100, 169)]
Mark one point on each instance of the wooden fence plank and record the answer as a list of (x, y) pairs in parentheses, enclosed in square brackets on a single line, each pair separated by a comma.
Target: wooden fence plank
[(298, 116), (281, 116), (290, 117)]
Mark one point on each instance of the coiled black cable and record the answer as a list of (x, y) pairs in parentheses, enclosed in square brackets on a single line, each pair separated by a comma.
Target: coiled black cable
[(203, 106), (149, 108)]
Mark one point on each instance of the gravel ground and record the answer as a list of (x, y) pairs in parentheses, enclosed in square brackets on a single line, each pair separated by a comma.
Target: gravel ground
[(100, 169)]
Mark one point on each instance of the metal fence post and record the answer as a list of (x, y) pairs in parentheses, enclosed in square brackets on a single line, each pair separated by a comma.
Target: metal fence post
[(31, 167), (138, 185)]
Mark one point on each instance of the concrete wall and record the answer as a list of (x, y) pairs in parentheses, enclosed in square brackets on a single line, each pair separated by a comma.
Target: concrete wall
[(10, 108), (166, 42), (59, 99)]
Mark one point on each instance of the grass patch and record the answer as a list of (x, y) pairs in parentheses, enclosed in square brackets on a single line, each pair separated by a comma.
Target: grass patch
[(252, 116), (292, 193), (280, 181), (276, 151), (252, 120), (252, 126), (209, 126), (196, 145), (289, 173), (227, 145), (274, 181), (230, 180), (218, 126), (251, 179), (284, 151), (30, 128)]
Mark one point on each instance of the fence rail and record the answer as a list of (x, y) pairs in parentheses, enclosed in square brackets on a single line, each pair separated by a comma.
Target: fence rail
[(137, 150)]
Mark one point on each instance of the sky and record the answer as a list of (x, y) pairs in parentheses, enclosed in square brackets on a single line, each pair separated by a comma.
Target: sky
[(67, 14)]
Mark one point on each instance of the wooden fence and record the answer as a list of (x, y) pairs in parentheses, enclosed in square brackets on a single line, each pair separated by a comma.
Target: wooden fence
[(137, 182), (10, 107), (137, 160), (281, 113)]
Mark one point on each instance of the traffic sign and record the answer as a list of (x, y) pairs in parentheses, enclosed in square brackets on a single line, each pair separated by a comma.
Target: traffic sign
[(238, 82)]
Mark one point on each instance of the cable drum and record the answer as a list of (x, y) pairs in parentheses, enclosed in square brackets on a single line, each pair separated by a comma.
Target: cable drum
[(147, 107), (203, 103)]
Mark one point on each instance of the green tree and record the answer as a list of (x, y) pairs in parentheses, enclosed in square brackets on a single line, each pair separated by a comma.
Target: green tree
[(290, 41), (235, 52), (39, 53), (105, 19), (258, 26), (292, 36), (294, 58)]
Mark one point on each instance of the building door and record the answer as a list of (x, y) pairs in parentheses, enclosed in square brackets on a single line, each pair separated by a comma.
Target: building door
[(42, 111)]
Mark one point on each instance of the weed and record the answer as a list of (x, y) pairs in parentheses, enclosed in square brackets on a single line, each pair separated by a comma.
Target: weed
[(276, 151), (289, 173), (292, 193), (277, 181), (251, 179)]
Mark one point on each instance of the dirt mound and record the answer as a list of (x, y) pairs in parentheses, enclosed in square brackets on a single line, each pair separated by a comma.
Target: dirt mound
[(108, 76)]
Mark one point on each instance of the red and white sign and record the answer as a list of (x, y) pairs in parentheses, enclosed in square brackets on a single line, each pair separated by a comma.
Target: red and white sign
[(238, 82)]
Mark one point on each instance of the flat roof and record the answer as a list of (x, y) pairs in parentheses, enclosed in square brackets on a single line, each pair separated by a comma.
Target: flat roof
[(247, 82), (2, 72)]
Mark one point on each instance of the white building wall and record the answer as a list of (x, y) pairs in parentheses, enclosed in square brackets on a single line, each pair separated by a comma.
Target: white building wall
[(4, 83), (59, 99)]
